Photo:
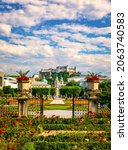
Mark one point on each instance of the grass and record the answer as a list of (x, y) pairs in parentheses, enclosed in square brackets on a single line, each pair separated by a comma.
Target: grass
[(57, 107)]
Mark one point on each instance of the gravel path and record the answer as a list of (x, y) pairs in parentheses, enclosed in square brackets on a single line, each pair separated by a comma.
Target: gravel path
[(61, 113), (57, 101), (54, 132)]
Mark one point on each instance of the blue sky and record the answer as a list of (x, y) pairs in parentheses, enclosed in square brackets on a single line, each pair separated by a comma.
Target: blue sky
[(37, 34)]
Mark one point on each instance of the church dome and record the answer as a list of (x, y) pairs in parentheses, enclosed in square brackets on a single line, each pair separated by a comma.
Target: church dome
[(44, 81)]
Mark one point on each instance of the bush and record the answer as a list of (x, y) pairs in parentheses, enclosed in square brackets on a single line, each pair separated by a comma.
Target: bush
[(28, 146), (42, 145), (55, 127)]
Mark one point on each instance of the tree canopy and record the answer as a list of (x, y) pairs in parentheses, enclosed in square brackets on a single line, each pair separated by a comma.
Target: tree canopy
[(105, 96), (70, 91), (72, 83)]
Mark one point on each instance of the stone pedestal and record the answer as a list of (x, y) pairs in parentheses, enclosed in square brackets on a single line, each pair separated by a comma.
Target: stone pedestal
[(23, 87), (93, 106), (93, 96), (23, 106)]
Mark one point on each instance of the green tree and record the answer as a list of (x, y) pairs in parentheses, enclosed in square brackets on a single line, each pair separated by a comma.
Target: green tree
[(72, 91), (72, 83), (52, 91), (46, 92), (9, 91), (34, 92), (105, 96), (41, 92)]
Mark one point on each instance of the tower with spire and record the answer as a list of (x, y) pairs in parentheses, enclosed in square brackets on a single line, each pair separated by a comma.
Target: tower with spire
[(58, 84)]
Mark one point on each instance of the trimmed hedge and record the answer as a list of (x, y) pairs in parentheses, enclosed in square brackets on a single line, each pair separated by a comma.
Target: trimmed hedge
[(43, 145), (77, 137), (82, 127), (87, 120)]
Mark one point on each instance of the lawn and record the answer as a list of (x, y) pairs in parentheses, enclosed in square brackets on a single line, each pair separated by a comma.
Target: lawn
[(57, 107)]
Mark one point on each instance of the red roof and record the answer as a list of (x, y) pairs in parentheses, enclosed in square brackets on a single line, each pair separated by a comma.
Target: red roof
[(22, 78)]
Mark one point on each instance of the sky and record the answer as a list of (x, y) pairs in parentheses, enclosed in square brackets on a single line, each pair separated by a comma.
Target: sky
[(37, 34)]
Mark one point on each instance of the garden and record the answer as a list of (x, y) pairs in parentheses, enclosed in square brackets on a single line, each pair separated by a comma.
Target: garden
[(88, 132), (91, 131)]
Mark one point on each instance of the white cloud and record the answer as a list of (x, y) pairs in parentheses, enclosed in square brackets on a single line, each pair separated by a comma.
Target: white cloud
[(24, 48), (18, 18), (67, 39), (5, 29), (67, 50), (12, 49), (35, 11), (82, 28)]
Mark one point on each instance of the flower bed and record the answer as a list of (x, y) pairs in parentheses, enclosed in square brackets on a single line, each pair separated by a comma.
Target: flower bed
[(23, 133), (93, 78), (23, 78)]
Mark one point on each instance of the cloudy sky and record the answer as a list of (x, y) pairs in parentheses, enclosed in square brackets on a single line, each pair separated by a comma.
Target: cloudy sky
[(37, 34)]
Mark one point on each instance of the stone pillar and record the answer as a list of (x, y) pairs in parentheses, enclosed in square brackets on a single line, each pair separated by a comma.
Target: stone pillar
[(93, 106), (1, 80), (93, 98), (23, 87), (23, 106)]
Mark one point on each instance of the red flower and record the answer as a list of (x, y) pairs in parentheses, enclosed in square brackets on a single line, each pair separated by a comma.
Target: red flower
[(29, 121), (92, 78), (18, 120), (1, 131), (22, 78), (4, 126)]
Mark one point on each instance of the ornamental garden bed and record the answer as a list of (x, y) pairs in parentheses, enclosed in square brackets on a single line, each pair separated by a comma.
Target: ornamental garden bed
[(90, 132)]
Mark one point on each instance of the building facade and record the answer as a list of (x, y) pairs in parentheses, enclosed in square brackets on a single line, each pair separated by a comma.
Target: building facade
[(10, 81), (44, 73), (68, 69)]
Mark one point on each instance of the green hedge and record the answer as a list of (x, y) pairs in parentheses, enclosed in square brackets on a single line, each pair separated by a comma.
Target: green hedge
[(55, 126), (82, 127), (75, 137), (86, 120), (43, 145)]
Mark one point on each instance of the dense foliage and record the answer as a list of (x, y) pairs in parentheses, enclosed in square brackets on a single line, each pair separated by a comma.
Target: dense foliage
[(105, 95), (70, 91), (89, 132), (41, 92), (8, 91)]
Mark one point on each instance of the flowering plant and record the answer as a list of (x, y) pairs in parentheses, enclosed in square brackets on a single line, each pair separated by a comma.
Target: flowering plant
[(92, 76), (22, 78)]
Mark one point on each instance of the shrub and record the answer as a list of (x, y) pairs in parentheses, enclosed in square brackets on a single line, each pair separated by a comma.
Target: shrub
[(28, 146)]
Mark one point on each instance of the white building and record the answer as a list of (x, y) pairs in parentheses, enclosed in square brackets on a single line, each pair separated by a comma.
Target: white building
[(80, 79), (10, 81), (71, 70), (40, 84), (36, 75)]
